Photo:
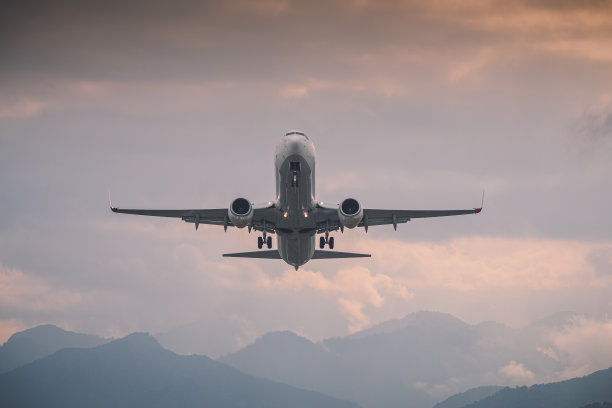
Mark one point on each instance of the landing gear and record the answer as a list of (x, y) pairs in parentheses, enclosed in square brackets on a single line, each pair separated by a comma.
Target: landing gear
[(327, 240), (264, 241)]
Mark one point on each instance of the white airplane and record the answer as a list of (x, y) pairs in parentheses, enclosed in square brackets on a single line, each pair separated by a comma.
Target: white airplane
[(295, 216)]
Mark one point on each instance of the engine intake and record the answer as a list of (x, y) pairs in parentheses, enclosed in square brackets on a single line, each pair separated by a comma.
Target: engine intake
[(240, 212), (350, 213)]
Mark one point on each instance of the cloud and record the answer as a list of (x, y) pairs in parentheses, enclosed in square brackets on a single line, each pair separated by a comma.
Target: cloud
[(601, 259), (9, 327), (353, 289), (439, 391), (517, 373), (344, 42), (584, 346), (22, 108), (22, 292), (596, 124), (478, 263)]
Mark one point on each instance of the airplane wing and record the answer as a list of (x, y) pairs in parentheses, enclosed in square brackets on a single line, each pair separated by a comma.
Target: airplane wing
[(262, 216), (273, 254), (328, 219)]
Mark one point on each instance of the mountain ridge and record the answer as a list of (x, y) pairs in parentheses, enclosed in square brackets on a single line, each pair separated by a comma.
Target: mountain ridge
[(136, 371), (40, 341), (575, 392)]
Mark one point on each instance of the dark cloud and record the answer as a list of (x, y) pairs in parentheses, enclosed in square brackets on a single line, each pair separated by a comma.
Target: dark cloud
[(293, 40), (596, 127), (601, 260)]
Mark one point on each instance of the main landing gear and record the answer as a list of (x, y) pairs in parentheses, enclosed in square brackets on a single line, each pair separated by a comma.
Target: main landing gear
[(261, 241), (326, 240)]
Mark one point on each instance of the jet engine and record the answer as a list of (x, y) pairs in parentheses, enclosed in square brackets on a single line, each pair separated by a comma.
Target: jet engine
[(240, 212), (350, 213)]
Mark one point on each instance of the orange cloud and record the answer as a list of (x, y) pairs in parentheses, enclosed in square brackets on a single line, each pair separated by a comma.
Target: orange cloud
[(479, 263), (26, 292)]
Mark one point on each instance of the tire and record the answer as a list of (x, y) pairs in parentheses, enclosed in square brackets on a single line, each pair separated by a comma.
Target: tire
[(331, 243), (259, 242), (269, 242), (321, 242)]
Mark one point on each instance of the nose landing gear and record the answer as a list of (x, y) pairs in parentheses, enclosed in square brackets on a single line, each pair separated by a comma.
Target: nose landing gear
[(294, 168)]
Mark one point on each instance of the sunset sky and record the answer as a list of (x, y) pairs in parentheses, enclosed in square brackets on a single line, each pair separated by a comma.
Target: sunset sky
[(410, 104)]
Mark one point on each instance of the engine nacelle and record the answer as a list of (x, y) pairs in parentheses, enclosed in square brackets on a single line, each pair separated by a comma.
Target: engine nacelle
[(350, 213), (240, 212)]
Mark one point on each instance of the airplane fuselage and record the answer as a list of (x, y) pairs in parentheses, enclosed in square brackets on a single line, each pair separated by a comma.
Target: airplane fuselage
[(295, 198)]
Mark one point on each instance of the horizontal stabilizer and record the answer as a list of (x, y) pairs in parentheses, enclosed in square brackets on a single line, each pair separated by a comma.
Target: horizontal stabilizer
[(271, 254), (335, 254)]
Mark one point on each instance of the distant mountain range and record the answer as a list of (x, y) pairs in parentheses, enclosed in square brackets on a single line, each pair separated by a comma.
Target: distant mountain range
[(415, 361), (137, 372), (468, 397), (30, 345), (422, 358)]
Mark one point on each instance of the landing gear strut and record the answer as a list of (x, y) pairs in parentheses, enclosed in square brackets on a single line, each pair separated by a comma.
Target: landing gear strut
[(264, 239), (327, 240)]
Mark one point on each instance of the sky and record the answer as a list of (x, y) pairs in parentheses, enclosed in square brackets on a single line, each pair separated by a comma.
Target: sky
[(410, 105)]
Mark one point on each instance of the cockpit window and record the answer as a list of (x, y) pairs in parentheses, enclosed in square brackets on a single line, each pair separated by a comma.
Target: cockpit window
[(295, 132)]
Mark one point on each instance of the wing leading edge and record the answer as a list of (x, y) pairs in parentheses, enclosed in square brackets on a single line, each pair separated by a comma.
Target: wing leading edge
[(262, 215), (328, 217)]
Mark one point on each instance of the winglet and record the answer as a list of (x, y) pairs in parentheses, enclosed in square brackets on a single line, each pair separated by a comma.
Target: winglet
[(113, 209), (477, 210)]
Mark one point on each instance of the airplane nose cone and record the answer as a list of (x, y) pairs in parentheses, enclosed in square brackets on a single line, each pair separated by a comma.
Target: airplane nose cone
[(294, 146)]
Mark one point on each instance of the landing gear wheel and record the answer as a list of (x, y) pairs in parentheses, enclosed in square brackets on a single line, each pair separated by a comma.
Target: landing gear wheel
[(321, 242), (331, 243), (259, 242), (269, 242)]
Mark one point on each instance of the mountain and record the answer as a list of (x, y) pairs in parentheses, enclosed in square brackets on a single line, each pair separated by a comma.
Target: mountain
[(295, 360), (418, 360), (577, 392), (468, 397), (213, 336), (137, 372), (420, 319), (390, 365), (30, 345)]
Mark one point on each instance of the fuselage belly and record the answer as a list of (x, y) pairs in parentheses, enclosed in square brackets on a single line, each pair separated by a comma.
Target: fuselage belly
[(295, 188)]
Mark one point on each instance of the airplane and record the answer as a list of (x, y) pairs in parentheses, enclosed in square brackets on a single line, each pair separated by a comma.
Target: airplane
[(295, 216)]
